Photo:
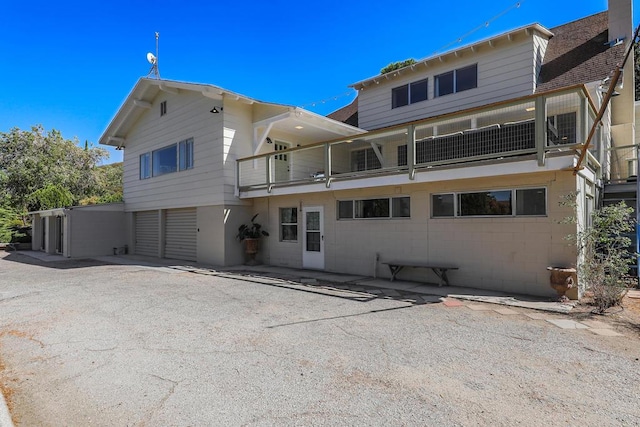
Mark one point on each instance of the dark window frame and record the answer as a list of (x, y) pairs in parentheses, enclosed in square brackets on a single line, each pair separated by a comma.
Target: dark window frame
[(291, 225), (517, 204), (456, 85)]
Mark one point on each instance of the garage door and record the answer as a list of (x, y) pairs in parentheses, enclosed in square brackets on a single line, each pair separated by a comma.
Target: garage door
[(181, 234), (147, 233)]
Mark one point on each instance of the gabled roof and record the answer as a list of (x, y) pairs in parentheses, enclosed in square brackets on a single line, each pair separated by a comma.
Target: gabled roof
[(347, 114), (145, 90), (578, 53)]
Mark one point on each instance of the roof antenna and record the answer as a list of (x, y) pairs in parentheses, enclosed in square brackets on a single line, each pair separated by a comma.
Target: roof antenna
[(153, 60)]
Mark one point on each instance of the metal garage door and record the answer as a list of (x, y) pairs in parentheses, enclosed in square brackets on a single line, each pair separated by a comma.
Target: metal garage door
[(147, 233), (181, 234)]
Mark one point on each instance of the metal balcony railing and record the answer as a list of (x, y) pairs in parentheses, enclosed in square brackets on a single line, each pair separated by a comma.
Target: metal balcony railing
[(533, 125)]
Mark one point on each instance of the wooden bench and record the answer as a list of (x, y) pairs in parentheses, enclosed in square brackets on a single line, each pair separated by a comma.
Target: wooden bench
[(440, 270)]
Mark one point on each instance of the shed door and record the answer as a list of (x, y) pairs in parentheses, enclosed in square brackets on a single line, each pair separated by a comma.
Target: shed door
[(147, 233), (181, 234)]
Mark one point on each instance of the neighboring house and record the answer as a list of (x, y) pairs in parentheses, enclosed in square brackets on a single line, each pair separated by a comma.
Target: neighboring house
[(461, 158)]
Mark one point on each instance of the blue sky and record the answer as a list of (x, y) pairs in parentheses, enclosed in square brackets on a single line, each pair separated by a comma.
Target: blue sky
[(68, 65)]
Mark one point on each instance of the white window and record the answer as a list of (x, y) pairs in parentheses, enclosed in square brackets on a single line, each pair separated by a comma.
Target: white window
[(169, 159), (288, 224), (165, 160), (186, 154), (145, 165)]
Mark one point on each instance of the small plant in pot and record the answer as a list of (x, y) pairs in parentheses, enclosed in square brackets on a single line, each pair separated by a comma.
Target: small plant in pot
[(250, 234)]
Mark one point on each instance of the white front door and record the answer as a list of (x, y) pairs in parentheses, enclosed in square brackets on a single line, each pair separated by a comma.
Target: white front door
[(313, 237)]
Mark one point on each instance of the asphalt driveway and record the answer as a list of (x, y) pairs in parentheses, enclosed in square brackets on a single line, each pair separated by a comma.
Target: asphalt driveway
[(88, 343)]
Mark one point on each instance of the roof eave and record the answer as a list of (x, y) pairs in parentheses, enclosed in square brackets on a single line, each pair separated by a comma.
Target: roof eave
[(453, 52)]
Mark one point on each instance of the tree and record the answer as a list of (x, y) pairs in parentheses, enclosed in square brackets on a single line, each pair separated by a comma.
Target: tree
[(39, 169), (397, 65)]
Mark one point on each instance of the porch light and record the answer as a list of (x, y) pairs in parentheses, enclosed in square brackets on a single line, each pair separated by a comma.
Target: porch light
[(215, 110), (530, 109)]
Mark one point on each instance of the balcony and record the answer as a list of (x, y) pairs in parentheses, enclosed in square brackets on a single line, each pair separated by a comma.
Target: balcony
[(535, 128)]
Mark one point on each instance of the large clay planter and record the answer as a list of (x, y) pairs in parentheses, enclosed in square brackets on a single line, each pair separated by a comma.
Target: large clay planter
[(564, 280), (251, 249)]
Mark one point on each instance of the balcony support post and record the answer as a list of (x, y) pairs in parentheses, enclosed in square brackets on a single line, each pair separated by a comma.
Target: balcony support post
[(327, 164), (541, 128), (268, 169), (411, 151)]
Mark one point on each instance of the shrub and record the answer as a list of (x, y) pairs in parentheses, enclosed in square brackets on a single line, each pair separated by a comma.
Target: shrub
[(605, 255)]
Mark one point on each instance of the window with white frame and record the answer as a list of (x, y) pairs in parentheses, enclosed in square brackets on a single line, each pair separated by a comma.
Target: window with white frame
[(456, 81), (513, 202), (288, 224), (185, 154), (169, 159), (409, 93), (145, 165), (383, 207)]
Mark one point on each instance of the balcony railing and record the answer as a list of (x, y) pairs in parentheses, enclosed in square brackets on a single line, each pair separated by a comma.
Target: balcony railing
[(533, 125)]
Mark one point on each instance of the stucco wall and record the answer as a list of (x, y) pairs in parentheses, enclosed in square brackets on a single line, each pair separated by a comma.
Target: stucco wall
[(501, 253)]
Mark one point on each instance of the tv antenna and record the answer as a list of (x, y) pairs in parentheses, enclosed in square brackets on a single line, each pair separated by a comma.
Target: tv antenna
[(153, 60)]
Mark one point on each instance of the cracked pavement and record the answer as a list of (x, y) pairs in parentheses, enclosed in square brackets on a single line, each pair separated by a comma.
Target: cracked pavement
[(88, 343)]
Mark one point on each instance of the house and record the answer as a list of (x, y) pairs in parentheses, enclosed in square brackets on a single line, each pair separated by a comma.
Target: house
[(461, 158)]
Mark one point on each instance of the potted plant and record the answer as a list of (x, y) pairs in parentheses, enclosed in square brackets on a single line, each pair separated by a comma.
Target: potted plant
[(250, 234)]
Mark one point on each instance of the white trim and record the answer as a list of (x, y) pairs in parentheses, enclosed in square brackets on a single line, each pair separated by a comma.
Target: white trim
[(451, 174)]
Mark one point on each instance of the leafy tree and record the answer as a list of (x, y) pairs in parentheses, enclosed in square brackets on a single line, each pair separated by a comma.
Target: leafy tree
[(41, 169), (397, 65)]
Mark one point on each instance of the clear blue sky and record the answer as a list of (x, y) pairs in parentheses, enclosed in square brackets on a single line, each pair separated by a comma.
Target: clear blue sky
[(68, 65)]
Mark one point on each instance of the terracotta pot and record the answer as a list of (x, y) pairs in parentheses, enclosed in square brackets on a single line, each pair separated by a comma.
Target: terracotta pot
[(251, 246), (562, 280)]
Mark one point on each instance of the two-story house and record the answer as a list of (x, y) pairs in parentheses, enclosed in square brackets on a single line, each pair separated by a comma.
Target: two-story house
[(461, 158)]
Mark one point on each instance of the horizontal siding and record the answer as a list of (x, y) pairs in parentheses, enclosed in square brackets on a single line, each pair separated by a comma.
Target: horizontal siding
[(504, 72), (187, 116)]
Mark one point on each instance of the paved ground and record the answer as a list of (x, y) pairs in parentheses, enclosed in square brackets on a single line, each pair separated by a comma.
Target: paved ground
[(88, 343)]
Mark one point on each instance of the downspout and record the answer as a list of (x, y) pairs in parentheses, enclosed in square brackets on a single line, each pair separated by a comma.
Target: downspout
[(605, 103)]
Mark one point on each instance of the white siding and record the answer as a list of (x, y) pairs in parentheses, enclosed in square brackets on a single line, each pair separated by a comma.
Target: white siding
[(505, 71), (187, 116), (539, 50)]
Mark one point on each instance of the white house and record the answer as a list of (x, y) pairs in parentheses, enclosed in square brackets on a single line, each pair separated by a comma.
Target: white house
[(459, 159)]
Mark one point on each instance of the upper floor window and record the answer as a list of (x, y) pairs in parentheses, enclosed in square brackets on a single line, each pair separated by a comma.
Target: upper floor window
[(145, 165), (456, 80), (165, 160), (163, 108), (409, 93), (168, 159), (186, 154)]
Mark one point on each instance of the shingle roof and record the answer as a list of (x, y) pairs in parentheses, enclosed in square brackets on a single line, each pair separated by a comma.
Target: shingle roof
[(578, 53), (347, 114)]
